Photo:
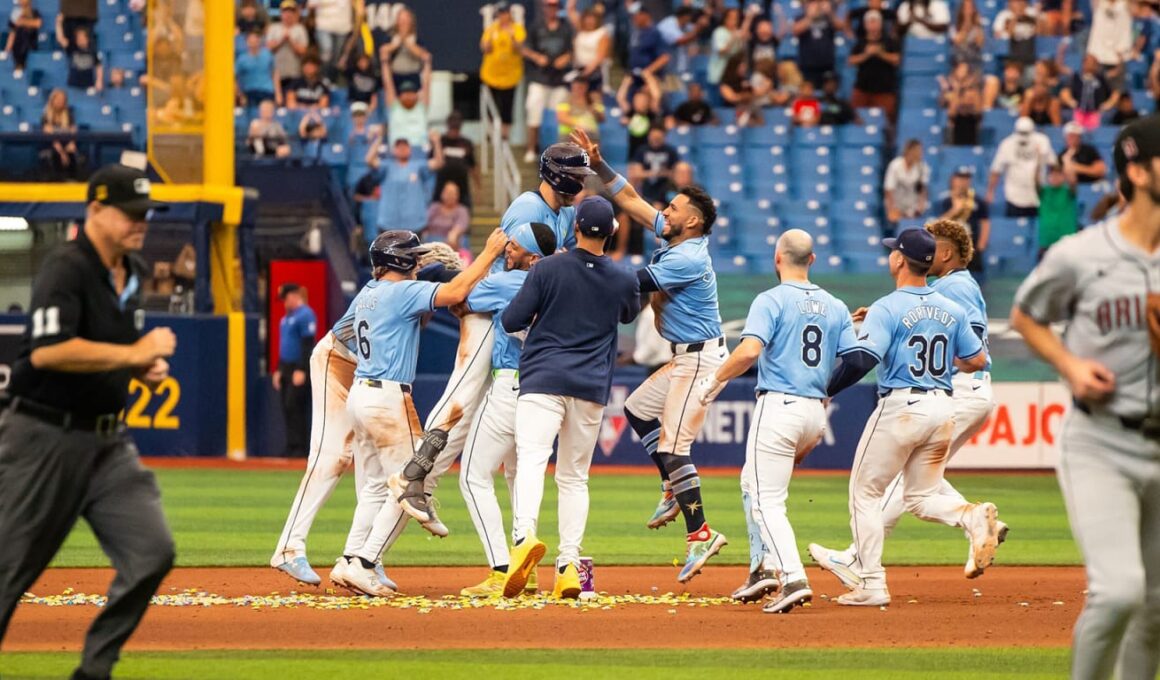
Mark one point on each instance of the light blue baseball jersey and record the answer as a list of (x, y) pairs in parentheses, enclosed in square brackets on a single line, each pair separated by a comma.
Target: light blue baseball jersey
[(494, 294), (688, 310), (343, 329), (804, 329), (531, 207), (386, 328), (916, 334), (962, 288)]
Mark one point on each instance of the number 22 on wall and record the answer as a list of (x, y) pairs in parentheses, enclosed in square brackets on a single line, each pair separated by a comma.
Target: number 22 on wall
[(169, 391)]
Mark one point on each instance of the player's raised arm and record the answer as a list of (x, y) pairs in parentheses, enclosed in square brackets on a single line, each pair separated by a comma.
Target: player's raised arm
[(622, 192), (457, 290)]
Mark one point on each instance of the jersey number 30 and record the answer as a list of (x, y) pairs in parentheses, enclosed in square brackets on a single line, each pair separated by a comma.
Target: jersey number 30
[(364, 343), (812, 346), (930, 355)]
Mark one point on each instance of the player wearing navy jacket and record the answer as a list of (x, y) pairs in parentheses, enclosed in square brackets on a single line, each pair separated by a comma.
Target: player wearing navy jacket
[(570, 304)]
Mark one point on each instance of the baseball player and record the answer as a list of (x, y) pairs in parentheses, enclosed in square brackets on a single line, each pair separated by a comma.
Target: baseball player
[(570, 305), (64, 450), (332, 364), (916, 334), (663, 411), (972, 391), (492, 439), (563, 168), (1102, 282), (388, 312), (794, 332)]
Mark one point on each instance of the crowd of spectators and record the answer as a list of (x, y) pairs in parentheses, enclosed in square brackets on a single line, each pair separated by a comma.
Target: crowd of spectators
[(589, 61)]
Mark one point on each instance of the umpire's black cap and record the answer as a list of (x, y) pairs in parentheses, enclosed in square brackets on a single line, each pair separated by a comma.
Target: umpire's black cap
[(1138, 142), (124, 187)]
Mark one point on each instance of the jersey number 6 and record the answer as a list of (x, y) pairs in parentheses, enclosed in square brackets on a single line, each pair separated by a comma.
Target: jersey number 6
[(364, 343), (930, 355)]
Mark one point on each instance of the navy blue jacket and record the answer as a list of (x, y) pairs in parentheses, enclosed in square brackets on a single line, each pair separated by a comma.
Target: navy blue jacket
[(573, 302)]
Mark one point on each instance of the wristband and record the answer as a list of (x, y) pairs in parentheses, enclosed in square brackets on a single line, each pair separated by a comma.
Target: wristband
[(604, 171), (617, 185)]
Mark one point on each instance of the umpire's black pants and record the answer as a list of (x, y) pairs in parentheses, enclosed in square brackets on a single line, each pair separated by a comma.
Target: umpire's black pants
[(296, 410), (49, 477)]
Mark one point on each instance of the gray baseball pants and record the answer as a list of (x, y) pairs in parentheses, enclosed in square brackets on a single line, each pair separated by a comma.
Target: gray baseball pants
[(1110, 477), (49, 477)]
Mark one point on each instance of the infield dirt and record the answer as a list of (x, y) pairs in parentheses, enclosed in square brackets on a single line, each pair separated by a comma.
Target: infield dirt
[(234, 608)]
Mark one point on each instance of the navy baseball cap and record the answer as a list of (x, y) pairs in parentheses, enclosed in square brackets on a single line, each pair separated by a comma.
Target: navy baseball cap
[(915, 244), (595, 217)]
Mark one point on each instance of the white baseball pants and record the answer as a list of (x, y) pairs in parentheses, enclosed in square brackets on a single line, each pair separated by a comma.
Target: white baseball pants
[(668, 395), (973, 402), (908, 432), (331, 374), (539, 419), (1110, 477), (784, 429), (491, 443), (386, 427), (465, 389)]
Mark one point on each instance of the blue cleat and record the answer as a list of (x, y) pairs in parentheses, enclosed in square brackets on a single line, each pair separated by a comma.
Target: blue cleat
[(383, 578), (299, 569), (666, 511)]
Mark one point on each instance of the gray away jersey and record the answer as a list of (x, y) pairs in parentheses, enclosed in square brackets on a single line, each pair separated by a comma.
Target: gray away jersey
[(1098, 283)]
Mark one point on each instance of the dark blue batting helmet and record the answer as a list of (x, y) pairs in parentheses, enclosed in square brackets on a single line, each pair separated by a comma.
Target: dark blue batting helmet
[(397, 250), (564, 166)]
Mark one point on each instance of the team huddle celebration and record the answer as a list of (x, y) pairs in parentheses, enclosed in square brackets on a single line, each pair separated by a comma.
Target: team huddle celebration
[(560, 336)]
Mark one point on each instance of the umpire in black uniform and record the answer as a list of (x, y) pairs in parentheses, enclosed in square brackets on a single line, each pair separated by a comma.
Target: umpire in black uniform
[(64, 452)]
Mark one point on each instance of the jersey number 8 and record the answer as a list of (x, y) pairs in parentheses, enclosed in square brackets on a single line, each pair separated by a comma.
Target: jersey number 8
[(812, 346), (930, 355), (364, 343)]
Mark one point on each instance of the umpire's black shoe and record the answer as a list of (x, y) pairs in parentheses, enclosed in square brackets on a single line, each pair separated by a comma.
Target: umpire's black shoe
[(78, 674)]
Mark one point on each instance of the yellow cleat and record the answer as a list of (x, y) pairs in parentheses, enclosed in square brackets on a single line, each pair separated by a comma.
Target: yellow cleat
[(533, 585), (491, 586), (524, 557), (567, 583)]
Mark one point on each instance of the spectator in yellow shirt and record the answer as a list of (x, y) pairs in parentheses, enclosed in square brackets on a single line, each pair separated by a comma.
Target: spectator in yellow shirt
[(503, 64)]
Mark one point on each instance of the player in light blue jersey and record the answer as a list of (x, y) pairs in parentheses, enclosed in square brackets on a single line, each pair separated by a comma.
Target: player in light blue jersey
[(794, 333), (663, 411), (972, 391), (388, 314), (491, 441), (563, 169), (915, 336)]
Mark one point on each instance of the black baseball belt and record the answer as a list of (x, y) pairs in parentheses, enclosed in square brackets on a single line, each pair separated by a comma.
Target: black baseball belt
[(1149, 427), (917, 390), (105, 424), (380, 384), (689, 348)]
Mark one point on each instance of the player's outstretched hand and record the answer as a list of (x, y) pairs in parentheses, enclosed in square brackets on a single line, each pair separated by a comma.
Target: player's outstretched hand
[(707, 389), (1090, 380), (158, 343), (496, 243), (581, 139), (859, 315)]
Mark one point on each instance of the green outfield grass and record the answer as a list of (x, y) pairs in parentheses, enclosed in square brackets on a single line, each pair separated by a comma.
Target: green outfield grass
[(667, 664), (233, 518)]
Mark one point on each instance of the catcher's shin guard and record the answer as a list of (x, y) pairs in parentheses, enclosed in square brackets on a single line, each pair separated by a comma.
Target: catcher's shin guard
[(431, 444)]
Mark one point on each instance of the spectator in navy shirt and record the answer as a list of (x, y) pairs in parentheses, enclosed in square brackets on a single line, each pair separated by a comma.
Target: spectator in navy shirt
[(84, 64), (647, 51), (877, 57), (363, 81), (310, 91), (815, 30), (24, 24), (651, 168), (295, 343), (570, 305)]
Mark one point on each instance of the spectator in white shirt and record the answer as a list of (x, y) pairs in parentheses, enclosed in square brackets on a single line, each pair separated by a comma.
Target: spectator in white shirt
[(924, 19), (333, 23), (907, 184), (1110, 40), (1021, 159), (1019, 24), (288, 40)]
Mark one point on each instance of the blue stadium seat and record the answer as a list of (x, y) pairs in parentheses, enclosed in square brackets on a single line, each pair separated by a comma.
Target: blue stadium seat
[(10, 118), (872, 116), (865, 263), (717, 135), (851, 157), (1103, 137), (681, 135), (861, 135), (927, 65), (1088, 195), (908, 224), (776, 116), (766, 135), (815, 136), (922, 47)]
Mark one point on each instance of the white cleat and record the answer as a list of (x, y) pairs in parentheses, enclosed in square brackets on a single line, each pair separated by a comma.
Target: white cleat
[(435, 526), (865, 597), (366, 581), (833, 561), (338, 574), (982, 526)]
